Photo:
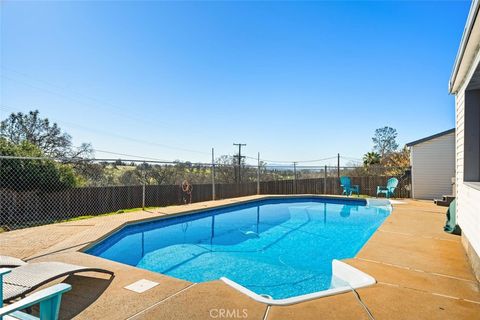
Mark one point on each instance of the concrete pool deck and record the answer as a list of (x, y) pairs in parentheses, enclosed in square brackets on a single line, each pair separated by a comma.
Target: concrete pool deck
[(421, 272)]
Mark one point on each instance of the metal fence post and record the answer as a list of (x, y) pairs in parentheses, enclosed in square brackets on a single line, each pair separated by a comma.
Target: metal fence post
[(258, 175), (213, 174), (338, 166), (325, 181), (143, 195), (295, 177), (143, 188)]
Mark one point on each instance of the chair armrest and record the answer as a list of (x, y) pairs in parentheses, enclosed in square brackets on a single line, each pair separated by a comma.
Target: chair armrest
[(50, 293), (4, 271)]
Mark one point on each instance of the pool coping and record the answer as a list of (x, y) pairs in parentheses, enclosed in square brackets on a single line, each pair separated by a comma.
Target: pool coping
[(355, 278)]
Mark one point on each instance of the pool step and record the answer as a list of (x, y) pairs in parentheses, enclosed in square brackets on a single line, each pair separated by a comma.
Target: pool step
[(445, 202)]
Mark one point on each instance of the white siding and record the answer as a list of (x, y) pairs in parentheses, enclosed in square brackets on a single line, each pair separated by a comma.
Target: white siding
[(468, 199), (433, 167)]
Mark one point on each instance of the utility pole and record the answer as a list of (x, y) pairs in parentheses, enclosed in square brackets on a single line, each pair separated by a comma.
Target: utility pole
[(239, 156)]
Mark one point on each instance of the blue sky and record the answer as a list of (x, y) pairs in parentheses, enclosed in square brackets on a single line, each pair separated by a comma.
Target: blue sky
[(293, 80)]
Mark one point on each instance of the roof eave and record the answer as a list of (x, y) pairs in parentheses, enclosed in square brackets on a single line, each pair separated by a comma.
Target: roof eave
[(437, 135), (463, 44)]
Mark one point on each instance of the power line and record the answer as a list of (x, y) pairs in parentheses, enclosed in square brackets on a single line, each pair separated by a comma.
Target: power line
[(355, 160), (130, 155), (88, 129), (351, 158), (120, 112), (317, 160), (133, 139), (105, 160), (292, 161), (74, 95)]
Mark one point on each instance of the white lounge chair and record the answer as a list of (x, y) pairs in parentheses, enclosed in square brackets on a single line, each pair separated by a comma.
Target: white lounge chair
[(49, 300), (11, 262), (30, 276)]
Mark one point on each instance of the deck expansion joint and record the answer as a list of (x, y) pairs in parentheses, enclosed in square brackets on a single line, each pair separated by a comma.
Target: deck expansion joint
[(396, 232), (414, 235), (417, 270), (428, 292), (445, 296), (161, 301), (452, 277), (471, 301), (267, 310), (440, 239), (388, 284)]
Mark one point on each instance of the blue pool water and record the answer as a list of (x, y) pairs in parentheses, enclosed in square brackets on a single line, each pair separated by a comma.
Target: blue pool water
[(279, 247)]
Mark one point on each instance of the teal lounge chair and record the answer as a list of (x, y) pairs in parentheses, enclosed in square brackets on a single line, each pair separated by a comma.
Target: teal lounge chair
[(49, 300), (389, 190), (347, 186)]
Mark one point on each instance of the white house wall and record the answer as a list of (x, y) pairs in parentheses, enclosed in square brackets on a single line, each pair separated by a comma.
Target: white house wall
[(433, 167), (468, 198)]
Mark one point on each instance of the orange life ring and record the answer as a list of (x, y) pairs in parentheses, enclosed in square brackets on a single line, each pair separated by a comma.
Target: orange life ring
[(186, 187)]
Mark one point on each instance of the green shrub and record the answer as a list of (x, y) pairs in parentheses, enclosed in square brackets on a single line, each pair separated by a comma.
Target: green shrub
[(32, 174)]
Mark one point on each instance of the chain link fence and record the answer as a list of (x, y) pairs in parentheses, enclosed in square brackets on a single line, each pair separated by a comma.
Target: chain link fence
[(35, 191), (325, 179)]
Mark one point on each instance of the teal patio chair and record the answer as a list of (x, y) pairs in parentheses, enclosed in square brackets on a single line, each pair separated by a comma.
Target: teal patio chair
[(347, 186), (388, 190), (49, 300)]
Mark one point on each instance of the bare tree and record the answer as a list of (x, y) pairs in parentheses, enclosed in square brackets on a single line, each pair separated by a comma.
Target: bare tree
[(384, 140)]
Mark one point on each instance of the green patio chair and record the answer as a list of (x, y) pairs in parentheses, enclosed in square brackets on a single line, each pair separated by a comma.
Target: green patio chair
[(388, 190), (347, 186), (49, 300)]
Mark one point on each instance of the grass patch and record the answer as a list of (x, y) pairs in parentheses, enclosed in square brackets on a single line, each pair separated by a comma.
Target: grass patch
[(363, 196), (104, 214)]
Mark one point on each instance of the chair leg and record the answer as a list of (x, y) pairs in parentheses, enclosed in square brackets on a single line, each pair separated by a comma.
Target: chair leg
[(50, 308)]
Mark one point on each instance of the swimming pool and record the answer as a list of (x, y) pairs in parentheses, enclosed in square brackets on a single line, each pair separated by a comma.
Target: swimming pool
[(277, 248)]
